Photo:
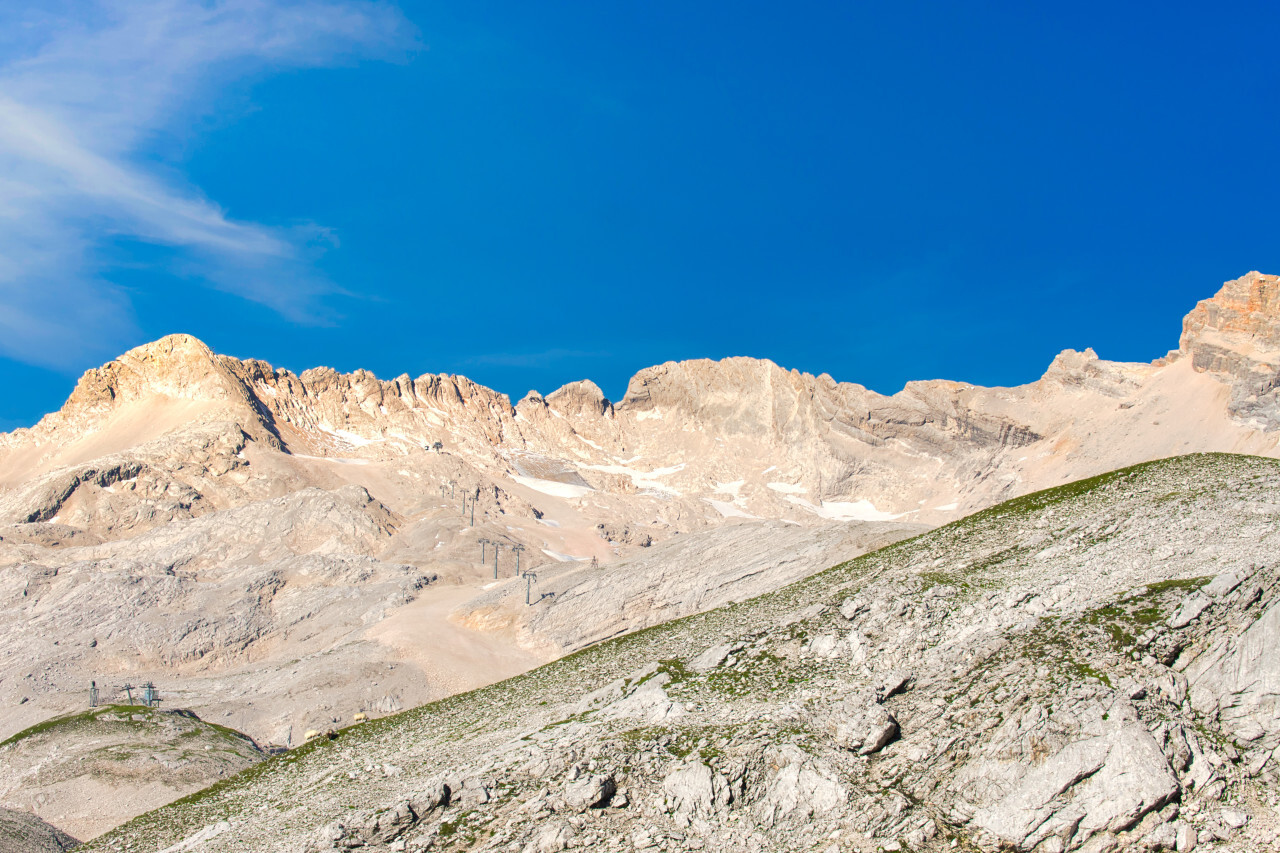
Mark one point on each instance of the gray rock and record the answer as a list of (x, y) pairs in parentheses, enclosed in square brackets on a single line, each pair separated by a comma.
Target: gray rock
[(694, 789), (646, 701), (712, 657), (823, 646), (590, 792), (802, 787), (1222, 585), (1238, 682), (891, 684), (862, 725), (1100, 784), (1163, 837), (1191, 608), (552, 839), (1234, 818), (851, 607), (21, 832)]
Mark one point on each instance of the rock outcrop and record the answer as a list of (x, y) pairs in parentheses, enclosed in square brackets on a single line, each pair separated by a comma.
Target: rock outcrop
[(1236, 334)]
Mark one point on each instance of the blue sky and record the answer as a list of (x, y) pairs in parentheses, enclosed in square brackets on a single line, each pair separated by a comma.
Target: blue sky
[(534, 193)]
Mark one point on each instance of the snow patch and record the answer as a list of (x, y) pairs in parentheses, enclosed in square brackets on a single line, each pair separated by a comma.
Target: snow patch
[(728, 510), (550, 487), (642, 479), (651, 415), (350, 437), (787, 488), (863, 510), (564, 558), (947, 507), (731, 488)]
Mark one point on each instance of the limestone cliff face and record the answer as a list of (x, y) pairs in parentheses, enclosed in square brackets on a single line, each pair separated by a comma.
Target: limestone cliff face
[(177, 369), (1237, 334), (784, 443)]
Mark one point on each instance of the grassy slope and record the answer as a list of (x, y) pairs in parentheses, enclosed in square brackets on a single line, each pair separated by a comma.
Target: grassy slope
[(299, 788)]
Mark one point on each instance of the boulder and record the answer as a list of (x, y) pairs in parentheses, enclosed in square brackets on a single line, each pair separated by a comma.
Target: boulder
[(590, 792), (862, 725), (1094, 785), (694, 790), (1238, 682)]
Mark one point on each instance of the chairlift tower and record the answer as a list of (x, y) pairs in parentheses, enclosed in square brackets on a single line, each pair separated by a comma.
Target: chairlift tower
[(483, 542), (529, 579), (496, 546), (93, 694), (517, 548)]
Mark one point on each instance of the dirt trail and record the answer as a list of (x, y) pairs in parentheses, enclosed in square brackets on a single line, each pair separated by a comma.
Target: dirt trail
[(453, 657)]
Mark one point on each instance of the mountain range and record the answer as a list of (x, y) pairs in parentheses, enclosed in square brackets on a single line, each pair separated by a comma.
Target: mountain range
[(279, 552)]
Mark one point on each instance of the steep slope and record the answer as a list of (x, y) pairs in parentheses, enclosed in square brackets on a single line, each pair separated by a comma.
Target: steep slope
[(25, 833), (1083, 668), (580, 606)]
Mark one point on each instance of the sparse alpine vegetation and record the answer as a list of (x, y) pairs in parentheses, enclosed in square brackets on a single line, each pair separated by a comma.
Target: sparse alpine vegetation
[(71, 766), (1090, 667)]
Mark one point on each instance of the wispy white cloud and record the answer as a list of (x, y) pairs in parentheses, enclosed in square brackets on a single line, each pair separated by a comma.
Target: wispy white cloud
[(84, 88)]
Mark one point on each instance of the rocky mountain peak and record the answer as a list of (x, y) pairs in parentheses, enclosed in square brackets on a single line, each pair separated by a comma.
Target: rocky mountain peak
[(1236, 333), (177, 366), (1245, 312), (583, 397)]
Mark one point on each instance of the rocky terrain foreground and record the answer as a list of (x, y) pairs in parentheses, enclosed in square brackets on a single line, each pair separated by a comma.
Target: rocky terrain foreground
[(1092, 667), (282, 551), (21, 832)]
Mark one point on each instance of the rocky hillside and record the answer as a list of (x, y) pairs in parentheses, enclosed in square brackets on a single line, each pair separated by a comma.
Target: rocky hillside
[(72, 769), (1088, 668), (280, 551), (21, 832)]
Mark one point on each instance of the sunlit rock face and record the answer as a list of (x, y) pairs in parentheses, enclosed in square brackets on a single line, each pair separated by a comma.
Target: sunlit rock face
[(281, 551)]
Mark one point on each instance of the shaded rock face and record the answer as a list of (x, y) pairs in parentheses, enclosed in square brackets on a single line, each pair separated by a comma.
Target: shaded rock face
[(21, 832), (1237, 334), (1075, 670)]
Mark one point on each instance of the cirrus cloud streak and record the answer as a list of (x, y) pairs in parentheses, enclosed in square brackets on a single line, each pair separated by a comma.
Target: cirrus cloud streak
[(84, 90)]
